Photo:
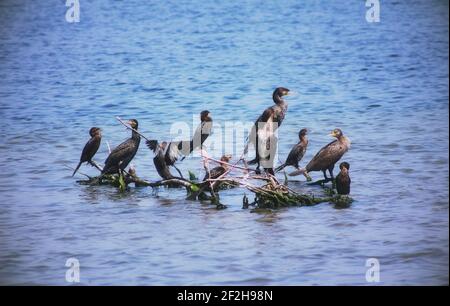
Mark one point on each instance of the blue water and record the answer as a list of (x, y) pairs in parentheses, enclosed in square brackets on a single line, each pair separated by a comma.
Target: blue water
[(384, 84)]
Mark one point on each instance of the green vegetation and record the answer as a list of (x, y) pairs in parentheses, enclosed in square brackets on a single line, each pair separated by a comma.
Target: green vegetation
[(269, 195)]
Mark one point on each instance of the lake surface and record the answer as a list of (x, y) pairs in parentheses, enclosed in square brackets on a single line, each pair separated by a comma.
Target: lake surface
[(384, 84)]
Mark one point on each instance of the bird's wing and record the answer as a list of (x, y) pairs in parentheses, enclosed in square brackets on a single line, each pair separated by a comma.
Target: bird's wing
[(265, 116), (183, 148), (119, 152), (173, 152), (206, 130), (320, 157), (215, 173), (90, 149), (152, 144), (295, 155), (327, 156)]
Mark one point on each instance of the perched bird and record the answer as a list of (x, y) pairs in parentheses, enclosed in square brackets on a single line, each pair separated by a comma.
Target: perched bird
[(90, 148), (297, 152), (343, 180), (328, 156), (122, 155), (200, 135), (219, 170), (175, 149), (264, 128), (160, 162)]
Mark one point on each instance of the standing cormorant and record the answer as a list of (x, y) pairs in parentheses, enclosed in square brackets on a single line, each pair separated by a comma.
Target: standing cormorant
[(219, 170), (176, 149), (343, 180), (122, 155), (297, 152), (328, 156), (200, 135), (90, 148), (264, 128)]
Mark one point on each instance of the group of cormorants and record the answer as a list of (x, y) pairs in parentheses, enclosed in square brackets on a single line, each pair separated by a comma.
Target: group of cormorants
[(261, 135)]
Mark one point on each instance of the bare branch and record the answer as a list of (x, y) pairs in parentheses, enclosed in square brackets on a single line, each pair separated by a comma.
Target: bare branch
[(130, 128), (109, 147)]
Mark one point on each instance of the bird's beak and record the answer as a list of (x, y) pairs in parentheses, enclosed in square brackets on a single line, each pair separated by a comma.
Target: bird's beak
[(292, 93), (130, 122), (332, 134)]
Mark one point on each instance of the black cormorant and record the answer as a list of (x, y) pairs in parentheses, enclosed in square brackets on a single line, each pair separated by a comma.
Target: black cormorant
[(297, 152), (122, 155), (90, 148), (343, 180), (262, 133), (328, 156)]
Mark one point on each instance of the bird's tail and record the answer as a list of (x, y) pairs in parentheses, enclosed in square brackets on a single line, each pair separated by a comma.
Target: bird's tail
[(281, 167), (76, 169), (298, 172)]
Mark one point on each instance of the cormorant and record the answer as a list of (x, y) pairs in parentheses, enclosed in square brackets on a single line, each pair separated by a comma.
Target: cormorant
[(219, 170), (201, 133), (122, 155), (176, 149), (160, 162), (343, 180), (328, 156), (297, 152), (264, 128), (90, 148)]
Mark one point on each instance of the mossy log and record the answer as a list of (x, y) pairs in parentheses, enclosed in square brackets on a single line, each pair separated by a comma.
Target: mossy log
[(273, 195), (270, 195)]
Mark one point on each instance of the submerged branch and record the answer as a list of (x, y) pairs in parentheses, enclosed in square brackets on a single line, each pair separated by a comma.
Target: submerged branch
[(270, 195)]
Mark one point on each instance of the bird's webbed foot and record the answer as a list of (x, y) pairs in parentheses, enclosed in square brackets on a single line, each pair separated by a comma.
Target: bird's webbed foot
[(308, 178)]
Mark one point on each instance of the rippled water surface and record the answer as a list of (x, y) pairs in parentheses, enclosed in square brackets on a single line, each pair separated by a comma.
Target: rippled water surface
[(384, 84)]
